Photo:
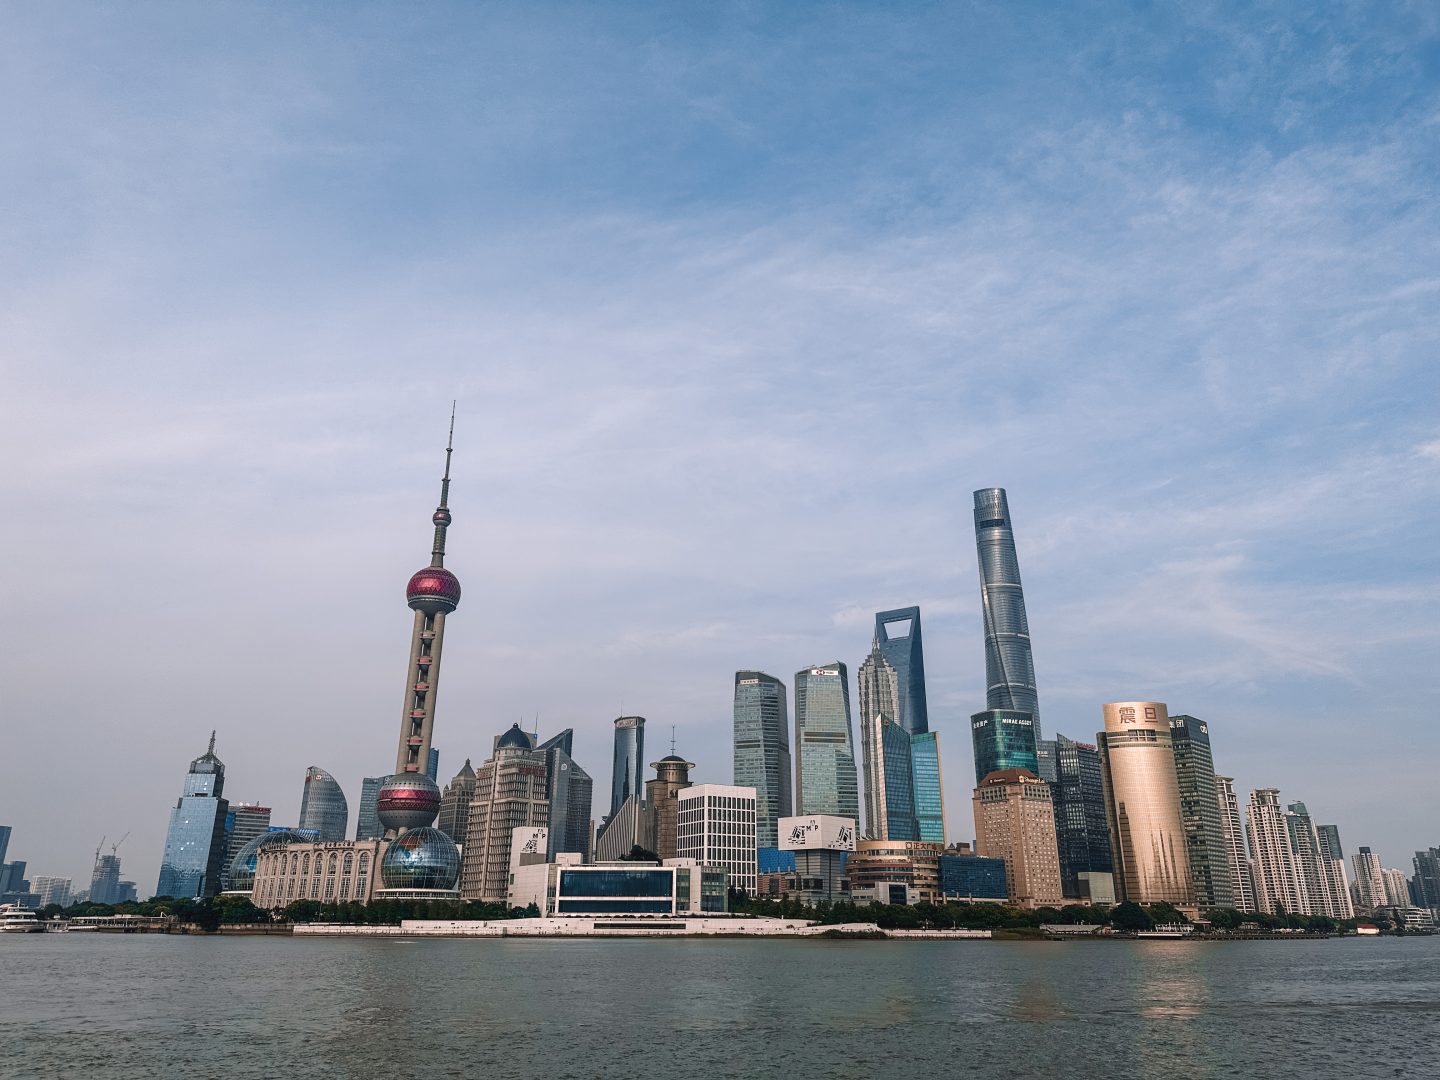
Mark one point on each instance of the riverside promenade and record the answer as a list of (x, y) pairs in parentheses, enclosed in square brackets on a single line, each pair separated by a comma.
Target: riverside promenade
[(613, 926)]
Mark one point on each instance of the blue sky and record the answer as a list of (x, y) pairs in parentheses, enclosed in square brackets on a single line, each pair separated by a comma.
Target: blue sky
[(739, 303)]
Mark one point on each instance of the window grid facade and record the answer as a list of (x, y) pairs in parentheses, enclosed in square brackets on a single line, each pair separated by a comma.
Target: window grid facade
[(715, 826)]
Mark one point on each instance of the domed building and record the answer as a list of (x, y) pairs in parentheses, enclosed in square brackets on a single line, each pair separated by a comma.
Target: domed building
[(420, 861), (242, 867)]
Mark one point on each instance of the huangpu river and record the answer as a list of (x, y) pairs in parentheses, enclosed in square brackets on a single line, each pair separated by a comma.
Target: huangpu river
[(98, 1006)]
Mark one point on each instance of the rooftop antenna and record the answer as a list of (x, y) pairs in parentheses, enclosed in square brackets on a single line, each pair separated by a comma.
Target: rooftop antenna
[(537, 725), (672, 740), (442, 512), (210, 752)]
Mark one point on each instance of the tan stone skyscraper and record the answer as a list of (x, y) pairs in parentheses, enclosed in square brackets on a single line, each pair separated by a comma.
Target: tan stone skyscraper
[(1142, 805), (1015, 821)]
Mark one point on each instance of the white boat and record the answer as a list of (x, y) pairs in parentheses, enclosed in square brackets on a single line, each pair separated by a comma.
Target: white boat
[(18, 920)]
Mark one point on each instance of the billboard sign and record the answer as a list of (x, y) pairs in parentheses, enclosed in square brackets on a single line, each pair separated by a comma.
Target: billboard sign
[(823, 832)]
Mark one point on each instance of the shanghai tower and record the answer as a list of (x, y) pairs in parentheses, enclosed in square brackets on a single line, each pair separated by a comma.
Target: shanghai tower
[(1009, 670)]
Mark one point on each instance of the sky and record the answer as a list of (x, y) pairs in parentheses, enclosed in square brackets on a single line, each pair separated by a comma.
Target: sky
[(739, 303)]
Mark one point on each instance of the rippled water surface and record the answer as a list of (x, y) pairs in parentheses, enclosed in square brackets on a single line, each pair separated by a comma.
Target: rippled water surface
[(102, 1006)]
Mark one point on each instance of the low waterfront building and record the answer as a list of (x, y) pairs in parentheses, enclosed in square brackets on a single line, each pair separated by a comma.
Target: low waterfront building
[(884, 869), (568, 888), (821, 845), (335, 873), (971, 877), (716, 827)]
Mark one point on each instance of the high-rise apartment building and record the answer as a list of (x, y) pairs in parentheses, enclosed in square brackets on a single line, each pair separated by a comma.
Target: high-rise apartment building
[(367, 824), (1142, 805), (1369, 879), (662, 803), (1015, 821), (571, 794), (509, 794), (1397, 888), (455, 802), (1200, 813), (762, 748), (1332, 866), (715, 826), (629, 757), (825, 777), (1003, 739), (195, 839), (323, 808), (1319, 895), (889, 781), (1081, 833), (1009, 668), (246, 822), (1278, 885), (1234, 832)]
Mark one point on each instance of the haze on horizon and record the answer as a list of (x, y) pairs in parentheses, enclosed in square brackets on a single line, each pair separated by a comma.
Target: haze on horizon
[(740, 303)]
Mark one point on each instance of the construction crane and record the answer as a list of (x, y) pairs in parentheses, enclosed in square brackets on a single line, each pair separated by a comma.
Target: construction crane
[(98, 848), (115, 847)]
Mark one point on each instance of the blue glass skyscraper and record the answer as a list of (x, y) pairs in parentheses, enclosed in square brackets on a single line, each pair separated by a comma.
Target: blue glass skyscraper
[(625, 778), (929, 799), (1009, 668), (1003, 739), (825, 780), (195, 840), (762, 749)]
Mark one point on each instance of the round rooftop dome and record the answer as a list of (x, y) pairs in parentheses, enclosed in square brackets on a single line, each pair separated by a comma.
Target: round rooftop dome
[(514, 737), (433, 590), (421, 859), (242, 867)]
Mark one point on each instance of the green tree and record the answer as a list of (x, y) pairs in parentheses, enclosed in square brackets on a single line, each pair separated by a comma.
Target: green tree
[(1130, 917)]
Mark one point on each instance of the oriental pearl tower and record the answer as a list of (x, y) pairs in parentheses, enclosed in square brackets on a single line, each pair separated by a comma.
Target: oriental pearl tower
[(420, 857)]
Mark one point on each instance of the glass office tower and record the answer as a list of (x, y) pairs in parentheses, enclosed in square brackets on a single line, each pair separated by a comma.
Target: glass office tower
[(762, 749), (825, 778), (571, 794), (1081, 833), (367, 824), (892, 684), (625, 778), (890, 780), (1009, 668), (195, 840), (1200, 812), (322, 806), (1003, 739)]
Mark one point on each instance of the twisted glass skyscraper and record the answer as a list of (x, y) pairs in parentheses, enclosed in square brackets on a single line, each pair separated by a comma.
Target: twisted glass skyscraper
[(1009, 669)]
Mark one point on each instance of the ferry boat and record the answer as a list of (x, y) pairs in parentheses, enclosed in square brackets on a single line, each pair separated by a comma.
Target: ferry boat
[(18, 920)]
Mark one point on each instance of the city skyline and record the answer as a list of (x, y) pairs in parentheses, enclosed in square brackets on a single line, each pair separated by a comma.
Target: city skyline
[(245, 309)]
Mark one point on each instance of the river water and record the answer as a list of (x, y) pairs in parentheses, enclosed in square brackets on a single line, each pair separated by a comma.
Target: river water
[(100, 1006)]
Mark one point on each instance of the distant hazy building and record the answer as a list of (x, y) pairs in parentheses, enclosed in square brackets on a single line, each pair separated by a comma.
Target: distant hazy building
[(322, 806), (1015, 821), (889, 781), (1369, 882), (195, 840), (51, 890), (716, 827), (246, 822), (1009, 668), (1278, 886), (1317, 884), (820, 845), (825, 776), (509, 794), (1427, 878), (571, 793), (455, 802), (1049, 769), (105, 880), (1081, 833), (367, 825), (662, 804), (1142, 805), (762, 748), (629, 757), (1235, 854), (1397, 888), (1003, 739), (1200, 813)]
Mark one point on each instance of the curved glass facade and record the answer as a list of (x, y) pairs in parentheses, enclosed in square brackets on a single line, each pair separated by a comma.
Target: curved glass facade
[(422, 858), (1003, 739), (322, 806), (242, 868), (1009, 668), (625, 779)]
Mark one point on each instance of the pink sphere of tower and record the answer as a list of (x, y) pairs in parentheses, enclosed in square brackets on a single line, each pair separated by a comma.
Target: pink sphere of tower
[(433, 590), (407, 801)]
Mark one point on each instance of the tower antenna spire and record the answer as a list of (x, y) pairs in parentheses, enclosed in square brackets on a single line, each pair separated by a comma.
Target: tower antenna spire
[(211, 750), (442, 512), (672, 740)]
